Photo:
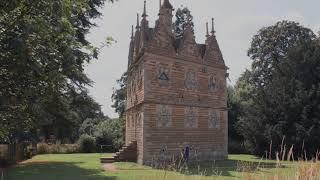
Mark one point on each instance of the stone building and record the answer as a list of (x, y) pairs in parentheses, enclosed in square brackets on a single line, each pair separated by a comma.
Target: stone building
[(176, 92)]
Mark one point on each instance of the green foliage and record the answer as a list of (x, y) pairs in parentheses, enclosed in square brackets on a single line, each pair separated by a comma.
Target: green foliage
[(44, 148), (43, 52), (235, 140), (271, 45), (110, 132), (119, 95), (280, 96), (87, 143), (183, 18), (105, 132), (89, 125)]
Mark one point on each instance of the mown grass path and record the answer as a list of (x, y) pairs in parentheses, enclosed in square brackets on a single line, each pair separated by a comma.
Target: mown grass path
[(88, 167)]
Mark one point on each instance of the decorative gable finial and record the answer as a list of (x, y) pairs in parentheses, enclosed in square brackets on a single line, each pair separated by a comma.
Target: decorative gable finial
[(137, 27), (213, 31), (207, 28), (132, 33), (144, 15)]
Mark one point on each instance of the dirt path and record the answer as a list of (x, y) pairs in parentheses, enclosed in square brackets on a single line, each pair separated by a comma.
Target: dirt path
[(109, 167)]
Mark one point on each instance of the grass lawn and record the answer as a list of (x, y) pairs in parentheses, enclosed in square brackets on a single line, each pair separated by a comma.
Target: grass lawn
[(88, 167)]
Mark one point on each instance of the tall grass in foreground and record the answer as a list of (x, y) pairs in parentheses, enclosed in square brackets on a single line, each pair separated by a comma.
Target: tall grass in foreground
[(286, 167)]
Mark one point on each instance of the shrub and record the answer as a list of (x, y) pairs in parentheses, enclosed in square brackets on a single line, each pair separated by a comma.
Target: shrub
[(43, 148), (110, 132), (87, 144), (3, 162)]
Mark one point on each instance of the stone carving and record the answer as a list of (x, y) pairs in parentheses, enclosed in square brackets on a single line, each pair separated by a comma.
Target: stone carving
[(163, 76), (191, 117), (191, 81), (164, 115), (212, 83), (214, 119)]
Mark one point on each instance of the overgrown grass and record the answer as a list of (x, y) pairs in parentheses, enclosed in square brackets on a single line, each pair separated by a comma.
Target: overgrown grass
[(88, 167)]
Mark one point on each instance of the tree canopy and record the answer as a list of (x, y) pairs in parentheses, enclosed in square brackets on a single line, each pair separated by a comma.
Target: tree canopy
[(42, 56), (183, 18), (280, 96)]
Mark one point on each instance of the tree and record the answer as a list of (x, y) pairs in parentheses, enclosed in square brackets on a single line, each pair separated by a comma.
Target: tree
[(280, 98), (271, 45), (110, 132), (42, 56), (183, 18), (234, 139), (119, 96)]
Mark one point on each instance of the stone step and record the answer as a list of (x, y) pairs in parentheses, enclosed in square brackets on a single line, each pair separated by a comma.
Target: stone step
[(107, 160), (127, 153)]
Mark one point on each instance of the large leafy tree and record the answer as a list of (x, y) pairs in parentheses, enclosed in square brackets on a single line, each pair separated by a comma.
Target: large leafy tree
[(42, 56), (282, 86), (271, 45)]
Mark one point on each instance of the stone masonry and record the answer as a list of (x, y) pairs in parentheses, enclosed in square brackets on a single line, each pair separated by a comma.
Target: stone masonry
[(176, 92)]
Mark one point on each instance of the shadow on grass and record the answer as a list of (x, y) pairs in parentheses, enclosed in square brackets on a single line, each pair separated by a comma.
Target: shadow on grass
[(54, 171), (226, 167)]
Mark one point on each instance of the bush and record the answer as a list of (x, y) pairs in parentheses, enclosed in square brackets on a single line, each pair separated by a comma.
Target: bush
[(87, 144), (3, 162), (110, 133), (236, 147), (43, 148)]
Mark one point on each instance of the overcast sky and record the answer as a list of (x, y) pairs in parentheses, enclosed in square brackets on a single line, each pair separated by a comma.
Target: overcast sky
[(236, 22)]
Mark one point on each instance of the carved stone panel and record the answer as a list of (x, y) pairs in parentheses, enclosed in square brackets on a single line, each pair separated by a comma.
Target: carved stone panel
[(191, 117), (164, 116), (163, 76), (213, 119), (191, 81), (212, 83)]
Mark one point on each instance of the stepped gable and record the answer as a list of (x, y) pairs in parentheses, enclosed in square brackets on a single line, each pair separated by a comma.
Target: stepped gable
[(160, 39)]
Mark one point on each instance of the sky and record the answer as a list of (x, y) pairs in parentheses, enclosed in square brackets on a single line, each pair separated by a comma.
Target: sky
[(236, 22)]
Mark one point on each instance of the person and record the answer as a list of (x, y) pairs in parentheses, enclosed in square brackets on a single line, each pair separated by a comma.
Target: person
[(186, 154)]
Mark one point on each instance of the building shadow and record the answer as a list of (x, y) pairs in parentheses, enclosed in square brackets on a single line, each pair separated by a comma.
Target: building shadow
[(54, 171)]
